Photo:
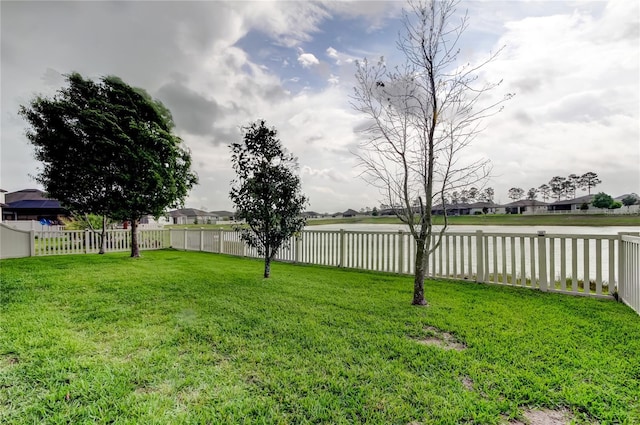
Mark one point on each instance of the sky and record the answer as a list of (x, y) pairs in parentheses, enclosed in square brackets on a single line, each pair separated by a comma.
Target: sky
[(574, 67)]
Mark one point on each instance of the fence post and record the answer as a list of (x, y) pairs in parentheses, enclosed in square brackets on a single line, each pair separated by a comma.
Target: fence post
[(32, 239), (221, 241), (479, 257), (400, 252), (542, 260), (621, 267), (343, 248), (185, 239), (86, 241), (298, 248), (201, 239)]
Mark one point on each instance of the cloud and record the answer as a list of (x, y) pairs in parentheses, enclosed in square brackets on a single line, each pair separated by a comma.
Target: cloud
[(307, 60), (191, 111), (326, 173)]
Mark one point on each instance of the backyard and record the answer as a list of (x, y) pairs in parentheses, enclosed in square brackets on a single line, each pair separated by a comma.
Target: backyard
[(190, 337)]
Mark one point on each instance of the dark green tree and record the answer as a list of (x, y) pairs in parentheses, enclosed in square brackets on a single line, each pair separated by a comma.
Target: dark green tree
[(558, 186), (602, 200), (108, 149), (544, 190), (516, 193), (266, 191), (589, 180), (629, 200)]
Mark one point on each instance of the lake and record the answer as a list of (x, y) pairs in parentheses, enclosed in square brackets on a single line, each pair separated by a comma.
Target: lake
[(559, 261)]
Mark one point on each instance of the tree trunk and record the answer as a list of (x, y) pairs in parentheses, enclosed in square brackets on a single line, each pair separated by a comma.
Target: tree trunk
[(103, 235), (135, 252), (418, 277), (267, 265)]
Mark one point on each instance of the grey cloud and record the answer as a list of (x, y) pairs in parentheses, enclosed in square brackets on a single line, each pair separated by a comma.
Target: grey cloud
[(527, 85), (53, 78), (581, 107), (191, 111), (523, 118)]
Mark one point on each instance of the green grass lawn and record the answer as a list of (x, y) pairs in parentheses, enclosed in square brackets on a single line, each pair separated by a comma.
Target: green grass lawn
[(196, 338)]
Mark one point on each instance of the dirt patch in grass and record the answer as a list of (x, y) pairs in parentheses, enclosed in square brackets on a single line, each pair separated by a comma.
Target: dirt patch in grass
[(544, 417), (8, 361), (441, 339), (467, 383)]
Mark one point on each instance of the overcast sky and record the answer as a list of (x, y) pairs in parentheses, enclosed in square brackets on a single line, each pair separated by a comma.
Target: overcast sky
[(574, 67)]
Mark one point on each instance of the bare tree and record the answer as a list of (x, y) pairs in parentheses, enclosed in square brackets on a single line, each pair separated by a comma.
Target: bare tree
[(421, 115)]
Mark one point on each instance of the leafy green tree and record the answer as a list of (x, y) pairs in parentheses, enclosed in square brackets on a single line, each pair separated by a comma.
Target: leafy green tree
[(266, 192), (374, 212), (629, 200), (108, 149), (602, 200), (589, 180)]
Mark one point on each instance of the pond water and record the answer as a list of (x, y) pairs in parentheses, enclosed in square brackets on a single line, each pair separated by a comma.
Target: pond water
[(564, 230), (597, 252)]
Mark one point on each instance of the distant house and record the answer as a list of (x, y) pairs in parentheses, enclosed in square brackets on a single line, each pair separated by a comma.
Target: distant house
[(191, 216), (458, 208), (311, 214), (224, 215), (525, 206), (350, 213), (483, 208), (2, 204), (32, 204), (575, 205)]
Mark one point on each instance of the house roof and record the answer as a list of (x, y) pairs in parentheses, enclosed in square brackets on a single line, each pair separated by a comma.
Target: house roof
[(33, 204), (350, 211), (25, 194), (222, 213), (579, 200), (483, 204), (526, 203), (190, 212)]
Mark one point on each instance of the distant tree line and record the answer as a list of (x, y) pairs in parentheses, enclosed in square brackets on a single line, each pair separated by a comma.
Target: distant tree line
[(558, 188)]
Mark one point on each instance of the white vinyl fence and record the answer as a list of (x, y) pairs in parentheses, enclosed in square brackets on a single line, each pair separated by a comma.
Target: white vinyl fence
[(629, 288), (588, 265), (603, 266), (85, 242)]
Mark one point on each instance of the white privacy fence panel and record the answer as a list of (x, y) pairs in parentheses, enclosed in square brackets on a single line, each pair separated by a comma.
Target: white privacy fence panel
[(629, 288)]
